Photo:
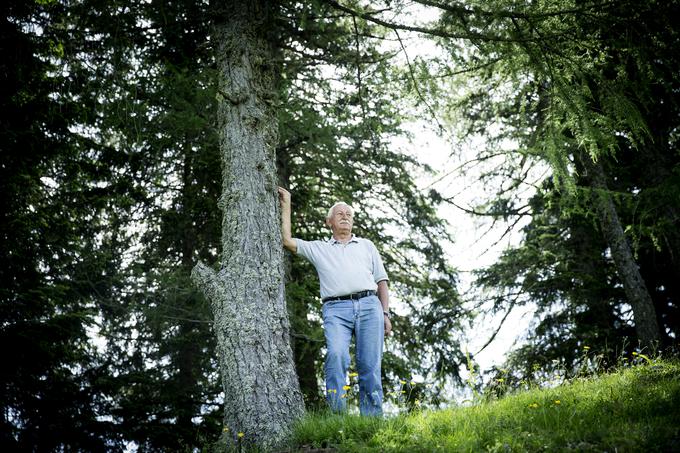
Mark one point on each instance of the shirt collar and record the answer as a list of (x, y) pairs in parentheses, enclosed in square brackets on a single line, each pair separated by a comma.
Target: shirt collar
[(334, 241)]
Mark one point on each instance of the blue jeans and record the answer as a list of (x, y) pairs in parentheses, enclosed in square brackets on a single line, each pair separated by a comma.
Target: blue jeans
[(362, 318)]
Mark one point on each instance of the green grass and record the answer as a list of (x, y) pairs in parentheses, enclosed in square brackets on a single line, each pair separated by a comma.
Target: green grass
[(635, 409)]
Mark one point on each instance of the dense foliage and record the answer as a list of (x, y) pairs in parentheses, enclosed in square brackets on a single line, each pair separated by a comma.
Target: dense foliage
[(592, 90), (110, 197)]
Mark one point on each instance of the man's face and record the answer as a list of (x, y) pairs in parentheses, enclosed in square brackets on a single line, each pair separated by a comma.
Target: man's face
[(341, 220)]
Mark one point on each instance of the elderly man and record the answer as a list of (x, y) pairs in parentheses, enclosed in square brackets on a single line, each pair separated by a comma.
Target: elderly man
[(355, 302)]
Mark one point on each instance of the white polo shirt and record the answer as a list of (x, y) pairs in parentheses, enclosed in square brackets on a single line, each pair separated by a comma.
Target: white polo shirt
[(344, 268)]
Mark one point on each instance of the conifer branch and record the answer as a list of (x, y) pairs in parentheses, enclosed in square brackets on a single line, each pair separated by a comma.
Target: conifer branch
[(480, 12), (415, 83), (423, 30), (500, 325)]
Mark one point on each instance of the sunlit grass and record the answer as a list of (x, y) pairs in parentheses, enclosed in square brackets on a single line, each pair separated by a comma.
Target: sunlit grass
[(635, 409)]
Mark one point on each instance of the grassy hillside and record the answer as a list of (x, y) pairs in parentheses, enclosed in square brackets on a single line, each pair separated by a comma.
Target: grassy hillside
[(635, 409)]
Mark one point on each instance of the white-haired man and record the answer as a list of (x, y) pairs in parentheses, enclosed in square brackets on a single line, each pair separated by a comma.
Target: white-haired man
[(355, 302)]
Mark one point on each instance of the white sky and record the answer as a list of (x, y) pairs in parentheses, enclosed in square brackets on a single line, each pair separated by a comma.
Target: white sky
[(473, 242)]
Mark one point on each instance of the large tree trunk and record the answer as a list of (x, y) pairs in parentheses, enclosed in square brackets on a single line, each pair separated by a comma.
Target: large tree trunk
[(646, 325), (262, 395)]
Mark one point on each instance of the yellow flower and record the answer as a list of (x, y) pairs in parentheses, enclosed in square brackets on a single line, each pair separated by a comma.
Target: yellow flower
[(241, 435), (225, 429), (558, 402), (413, 382), (635, 353), (346, 387), (500, 380), (403, 391), (353, 374), (585, 348), (533, 405), (344, 395), (402, 382)]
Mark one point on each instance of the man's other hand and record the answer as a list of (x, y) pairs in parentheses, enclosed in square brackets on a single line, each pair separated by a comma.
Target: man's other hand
[(388, 326)]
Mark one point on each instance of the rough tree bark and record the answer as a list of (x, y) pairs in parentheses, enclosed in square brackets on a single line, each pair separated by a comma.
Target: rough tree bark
[(262, 395), (644, 314)]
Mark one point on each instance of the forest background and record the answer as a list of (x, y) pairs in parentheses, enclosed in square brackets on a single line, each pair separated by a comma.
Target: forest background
[(111, 175)]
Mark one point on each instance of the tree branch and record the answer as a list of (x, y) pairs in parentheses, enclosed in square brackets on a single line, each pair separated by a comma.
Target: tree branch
[(498, 329), (427, 31), (415, 83), (475, 11)]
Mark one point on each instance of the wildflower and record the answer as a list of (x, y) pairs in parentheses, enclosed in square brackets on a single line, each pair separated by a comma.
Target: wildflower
[(346, 387), (240, 435), (403, 391), (344, 395), (353, 374), (332, 391), (558, 402), (586, 348), (225, 429), (533, 405), (500, 380), (402, 382), (639, 355), (413, 383)]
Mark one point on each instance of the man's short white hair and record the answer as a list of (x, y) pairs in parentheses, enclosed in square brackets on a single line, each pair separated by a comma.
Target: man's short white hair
[(339, 203)]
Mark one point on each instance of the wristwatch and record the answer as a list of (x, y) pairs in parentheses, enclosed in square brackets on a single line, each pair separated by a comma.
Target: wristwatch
[(388, 314)]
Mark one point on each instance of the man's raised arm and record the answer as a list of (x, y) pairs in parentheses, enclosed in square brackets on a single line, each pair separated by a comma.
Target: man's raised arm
[(288, 241)]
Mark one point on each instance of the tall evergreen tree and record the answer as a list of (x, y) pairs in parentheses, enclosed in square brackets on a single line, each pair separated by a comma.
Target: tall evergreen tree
[(132, 162), (262, 396), (58, 252), (570, 85), (161, 115)]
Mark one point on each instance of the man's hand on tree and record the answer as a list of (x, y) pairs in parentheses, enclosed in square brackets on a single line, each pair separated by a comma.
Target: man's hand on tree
[(284, 196)]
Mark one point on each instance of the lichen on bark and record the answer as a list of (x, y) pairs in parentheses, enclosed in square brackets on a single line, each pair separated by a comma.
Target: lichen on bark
[(262, 396)]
